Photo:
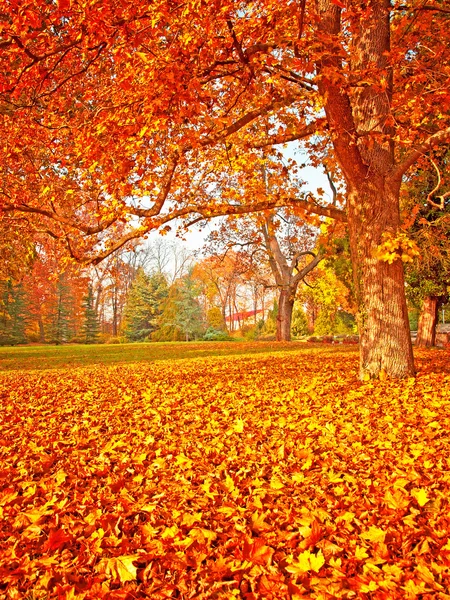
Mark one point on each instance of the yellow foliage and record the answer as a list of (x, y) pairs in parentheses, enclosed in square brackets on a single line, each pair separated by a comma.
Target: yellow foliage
[(398, 246)]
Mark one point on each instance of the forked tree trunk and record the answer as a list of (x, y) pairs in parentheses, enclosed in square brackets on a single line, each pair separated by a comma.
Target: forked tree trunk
[(426, 329), (385, 339), (284, 317)]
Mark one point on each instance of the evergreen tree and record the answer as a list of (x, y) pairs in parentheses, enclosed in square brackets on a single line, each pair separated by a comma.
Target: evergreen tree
[(144, 305), (182, 316), (61, 327), (13, 313), (91, 325), (189, 317)]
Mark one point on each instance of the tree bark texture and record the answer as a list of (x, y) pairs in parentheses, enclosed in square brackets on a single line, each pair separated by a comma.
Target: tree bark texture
[(383, 326), (426, 329)]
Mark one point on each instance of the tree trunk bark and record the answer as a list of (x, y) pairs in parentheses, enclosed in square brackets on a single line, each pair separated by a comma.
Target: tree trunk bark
[(426, 329), (383, 326), (284, 317)]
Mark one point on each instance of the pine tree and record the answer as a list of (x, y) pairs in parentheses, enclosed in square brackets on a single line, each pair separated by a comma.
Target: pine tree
[(189, 317), (182, 316), (144, 305), (13, 313), (91, 325), (61, 326)]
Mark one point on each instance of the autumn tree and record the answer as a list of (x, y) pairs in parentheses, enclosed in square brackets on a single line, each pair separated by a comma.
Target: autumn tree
[(119, 118), (327, 302), (280, 240), (220, 281)]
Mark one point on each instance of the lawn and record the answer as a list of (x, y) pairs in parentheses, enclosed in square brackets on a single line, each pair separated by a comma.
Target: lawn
[(72, 355), (247, 471)]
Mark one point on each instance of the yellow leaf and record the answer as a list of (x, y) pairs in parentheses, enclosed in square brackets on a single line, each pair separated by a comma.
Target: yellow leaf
[(142, 131), (276, 483), (169, 532), (143, 56), (120, 567), (360, 553), (239, 426), (307, 562), (189, 519), (420, 495), (60, 477), (183, 461), (374, 534)]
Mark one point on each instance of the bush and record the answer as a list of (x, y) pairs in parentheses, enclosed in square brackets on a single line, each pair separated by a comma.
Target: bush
[(33, 337), (216, 335), (76, 339), (115, 340)]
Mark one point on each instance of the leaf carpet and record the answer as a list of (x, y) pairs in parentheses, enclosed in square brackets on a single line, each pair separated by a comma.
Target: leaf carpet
[(256, 477)]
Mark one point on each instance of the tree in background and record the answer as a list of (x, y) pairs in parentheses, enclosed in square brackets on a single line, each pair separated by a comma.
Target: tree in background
[(144, 305), (279, 240), (426, 201), (91, 325), (13, 313), (182, 316), (327, 304), (189, 318), (61, 318), (215, 320), (299, 326), (220, 281)]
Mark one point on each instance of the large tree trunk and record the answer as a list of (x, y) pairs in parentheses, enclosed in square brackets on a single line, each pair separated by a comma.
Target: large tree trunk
[(361, 131), (426, 329), (284, 317), (383, 326)]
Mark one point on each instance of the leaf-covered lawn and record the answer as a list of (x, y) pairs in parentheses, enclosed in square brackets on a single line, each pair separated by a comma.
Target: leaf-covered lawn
[(73, 355), (258, 477)]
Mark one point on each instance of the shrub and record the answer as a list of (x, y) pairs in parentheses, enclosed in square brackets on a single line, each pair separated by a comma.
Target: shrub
[(216, 335)]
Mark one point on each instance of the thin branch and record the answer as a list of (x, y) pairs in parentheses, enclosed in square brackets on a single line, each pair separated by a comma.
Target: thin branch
[(433, 140), (436, 187), (54, 216), (308, 130)]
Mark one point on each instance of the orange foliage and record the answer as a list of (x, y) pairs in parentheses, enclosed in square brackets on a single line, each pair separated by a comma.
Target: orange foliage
[(250, 477)]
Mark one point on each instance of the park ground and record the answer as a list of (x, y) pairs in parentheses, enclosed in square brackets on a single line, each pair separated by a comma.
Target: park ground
[(221, 470)]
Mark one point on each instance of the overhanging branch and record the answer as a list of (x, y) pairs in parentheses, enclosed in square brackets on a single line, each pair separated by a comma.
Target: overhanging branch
[(432, 141)]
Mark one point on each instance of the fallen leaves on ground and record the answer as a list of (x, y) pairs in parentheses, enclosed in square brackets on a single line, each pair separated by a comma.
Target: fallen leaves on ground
[(249, 477)]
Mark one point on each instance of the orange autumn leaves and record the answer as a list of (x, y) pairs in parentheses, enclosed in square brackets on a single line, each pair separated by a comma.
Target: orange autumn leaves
[(248, 477)]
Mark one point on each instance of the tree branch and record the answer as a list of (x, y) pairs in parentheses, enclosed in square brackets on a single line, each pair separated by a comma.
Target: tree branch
[(433, 140), (308, 130)]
